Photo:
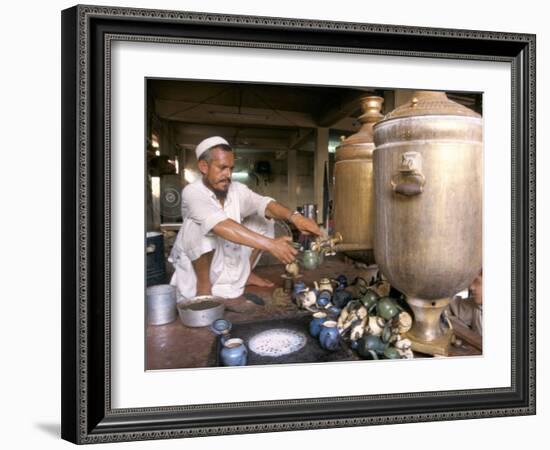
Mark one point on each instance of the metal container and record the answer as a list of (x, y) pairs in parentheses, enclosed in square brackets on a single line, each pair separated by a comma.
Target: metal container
[(354, 185), (161, 304), (310, 211), (428, 222), (156, 268), (201, 311)]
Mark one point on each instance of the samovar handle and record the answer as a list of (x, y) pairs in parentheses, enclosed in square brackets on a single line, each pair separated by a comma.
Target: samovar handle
[(409, 180)]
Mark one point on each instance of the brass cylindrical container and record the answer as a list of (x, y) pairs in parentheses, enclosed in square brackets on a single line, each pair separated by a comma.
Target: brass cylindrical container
[(354, 185), (428, 190)]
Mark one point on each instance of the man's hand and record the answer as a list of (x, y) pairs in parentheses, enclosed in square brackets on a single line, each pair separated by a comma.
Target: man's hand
[(305, 225), (278, 211), (280, 248)]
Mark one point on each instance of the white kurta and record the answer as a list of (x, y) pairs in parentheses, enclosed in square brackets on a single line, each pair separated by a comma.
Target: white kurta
[(202, 211)]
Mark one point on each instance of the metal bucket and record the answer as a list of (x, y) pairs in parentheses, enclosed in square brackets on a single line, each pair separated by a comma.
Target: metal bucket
[(161, 304), (156, 268)]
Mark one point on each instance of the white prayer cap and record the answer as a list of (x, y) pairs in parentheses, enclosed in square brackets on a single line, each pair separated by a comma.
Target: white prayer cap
[(209, 143)]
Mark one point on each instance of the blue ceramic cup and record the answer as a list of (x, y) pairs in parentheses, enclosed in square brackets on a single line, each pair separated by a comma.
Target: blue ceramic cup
[(329, 337), (234, 353), (316, 322)]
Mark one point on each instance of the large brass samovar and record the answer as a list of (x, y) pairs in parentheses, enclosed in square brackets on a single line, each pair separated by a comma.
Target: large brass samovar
[(354, 185), (428, 221)]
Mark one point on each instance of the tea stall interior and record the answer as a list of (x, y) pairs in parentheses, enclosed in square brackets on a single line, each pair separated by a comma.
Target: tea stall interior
[(285, 139)]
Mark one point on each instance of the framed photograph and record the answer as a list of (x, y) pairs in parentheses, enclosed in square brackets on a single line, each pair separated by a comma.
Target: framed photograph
[(289, 101)]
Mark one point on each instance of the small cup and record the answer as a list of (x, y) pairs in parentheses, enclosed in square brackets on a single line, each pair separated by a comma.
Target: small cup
[(234, 352), (315, 325), (329, 337)]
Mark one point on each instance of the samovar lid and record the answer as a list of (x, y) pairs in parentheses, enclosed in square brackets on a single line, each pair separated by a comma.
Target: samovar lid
[(371, 106), (430, 103)]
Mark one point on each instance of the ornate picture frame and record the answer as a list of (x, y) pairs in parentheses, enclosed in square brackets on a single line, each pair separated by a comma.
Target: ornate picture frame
[(87, 35)]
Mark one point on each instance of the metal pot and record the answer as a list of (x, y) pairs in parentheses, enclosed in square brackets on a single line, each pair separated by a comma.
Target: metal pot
[(354, 185), (201, 311), (161, 304), (428, 222)]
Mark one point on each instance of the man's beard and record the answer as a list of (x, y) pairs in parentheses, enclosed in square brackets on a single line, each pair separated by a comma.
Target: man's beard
[(222, 195)]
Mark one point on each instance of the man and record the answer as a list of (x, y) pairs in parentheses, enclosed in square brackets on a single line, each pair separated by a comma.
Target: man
[(469, 310), (225, 228)]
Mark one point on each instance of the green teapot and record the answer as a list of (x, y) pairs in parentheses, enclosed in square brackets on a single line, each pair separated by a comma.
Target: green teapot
[(391, 352), (310, 260), (369, 299), (369, 347), (387, 308)]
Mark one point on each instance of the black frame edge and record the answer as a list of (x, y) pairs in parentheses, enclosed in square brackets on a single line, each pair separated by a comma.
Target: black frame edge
[(69, 294)]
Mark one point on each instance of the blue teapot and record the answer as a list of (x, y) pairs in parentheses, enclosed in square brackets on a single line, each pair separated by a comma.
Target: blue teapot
[(234, 353), (324, 298), (329, 337), (315, 325), (340, 298)]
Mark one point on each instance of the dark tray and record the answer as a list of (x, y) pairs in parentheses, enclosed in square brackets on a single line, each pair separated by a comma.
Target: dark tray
[(312, 352)]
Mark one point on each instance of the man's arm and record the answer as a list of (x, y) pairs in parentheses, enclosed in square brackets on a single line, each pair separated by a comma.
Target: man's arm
[(251, 202), (277, 211), (235, 232)]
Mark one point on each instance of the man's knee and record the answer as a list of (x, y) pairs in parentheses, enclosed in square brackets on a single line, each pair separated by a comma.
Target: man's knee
[(196, 244)]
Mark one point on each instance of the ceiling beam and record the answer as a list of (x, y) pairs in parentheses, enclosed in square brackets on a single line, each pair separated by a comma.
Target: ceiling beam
[(231, 115), (298, 138)]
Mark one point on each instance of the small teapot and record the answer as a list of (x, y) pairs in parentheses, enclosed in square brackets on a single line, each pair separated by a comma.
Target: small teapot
[(375, 325), (369, 299), (387, 308), (306, 298), (392, 353), (370, 347), (324, 285), (329, 336), (293, 269), (324, 298), (315, 325), (342, 281), (310, 260), (299, 286), (341, 298), (234, 353), (402, 322)]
